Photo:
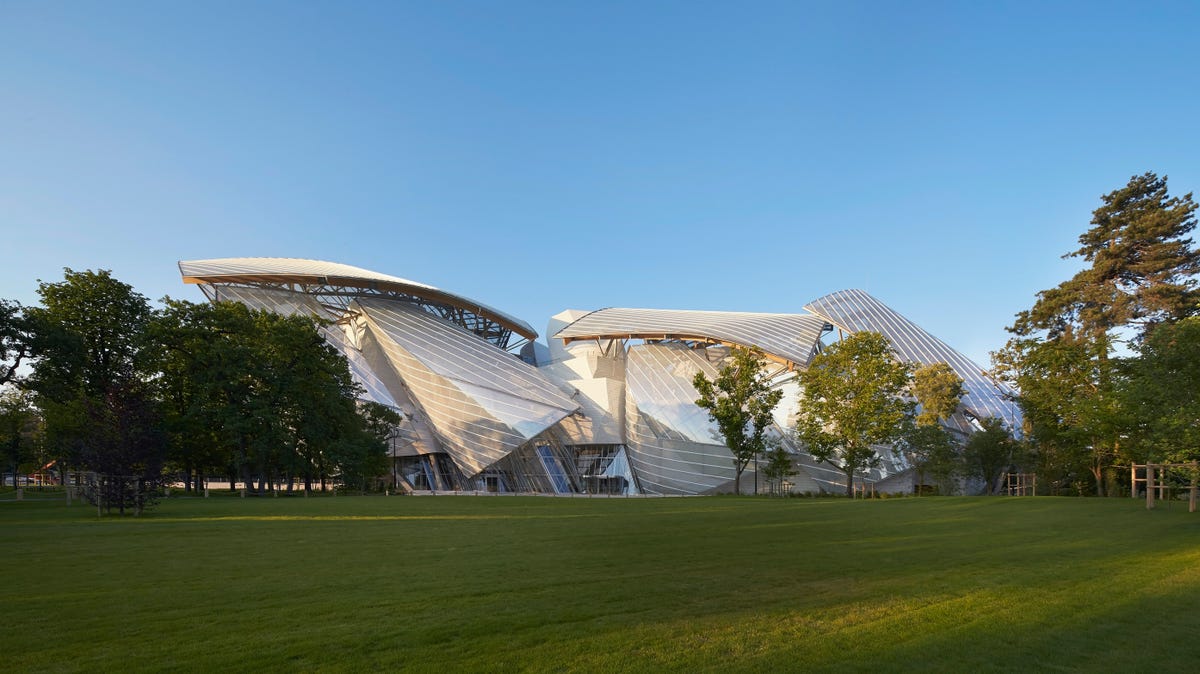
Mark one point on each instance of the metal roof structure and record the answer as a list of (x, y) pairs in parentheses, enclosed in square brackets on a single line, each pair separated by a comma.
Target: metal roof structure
[(789, 339), (335, 284)]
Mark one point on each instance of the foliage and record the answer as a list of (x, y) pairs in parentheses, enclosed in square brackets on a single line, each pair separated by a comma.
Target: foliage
[(852, 399), (1141, 275), (1162, 394), (361, 453), (211, 388), (1142, 266), (19, 428), (939, 391), (1069, 402), (934, 453), (778, 466), (14, 340), (90, 335), (741, 402), (93, 380), (988, 453), (263, 396), (932, 449)]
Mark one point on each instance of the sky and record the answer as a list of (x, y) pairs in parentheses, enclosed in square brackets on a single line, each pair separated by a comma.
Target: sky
[(537, 157)]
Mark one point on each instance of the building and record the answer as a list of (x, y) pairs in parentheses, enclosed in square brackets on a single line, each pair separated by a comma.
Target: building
[(607, 406)]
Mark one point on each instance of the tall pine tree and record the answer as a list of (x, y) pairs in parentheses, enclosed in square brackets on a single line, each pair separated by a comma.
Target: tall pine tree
[(1142, 272)]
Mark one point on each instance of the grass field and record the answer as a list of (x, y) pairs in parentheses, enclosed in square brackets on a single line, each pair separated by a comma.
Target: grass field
[(551, 584)]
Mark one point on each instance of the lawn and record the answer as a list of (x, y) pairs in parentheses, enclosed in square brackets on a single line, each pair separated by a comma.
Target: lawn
[(551, 584)]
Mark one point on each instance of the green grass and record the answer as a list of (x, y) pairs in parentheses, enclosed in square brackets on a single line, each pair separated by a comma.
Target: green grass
[(545, 584)]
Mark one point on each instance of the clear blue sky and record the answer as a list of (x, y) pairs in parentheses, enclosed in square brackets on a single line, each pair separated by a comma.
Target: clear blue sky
[(543, 156)]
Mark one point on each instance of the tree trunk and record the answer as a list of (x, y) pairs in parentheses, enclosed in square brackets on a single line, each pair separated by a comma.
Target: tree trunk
[(850, 484), (1098, 473), (737, 480)]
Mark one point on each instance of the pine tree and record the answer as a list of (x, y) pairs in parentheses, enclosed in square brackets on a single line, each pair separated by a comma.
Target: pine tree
[(1143, 266)]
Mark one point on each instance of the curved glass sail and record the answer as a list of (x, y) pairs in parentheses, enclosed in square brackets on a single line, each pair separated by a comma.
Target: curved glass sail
[(789, 338)]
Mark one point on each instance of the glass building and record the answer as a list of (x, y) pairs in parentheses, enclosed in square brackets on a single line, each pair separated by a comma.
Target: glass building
[(606, 407)]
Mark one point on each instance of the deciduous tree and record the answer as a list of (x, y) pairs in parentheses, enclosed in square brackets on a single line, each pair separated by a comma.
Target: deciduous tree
[(853, 398), (932, 449), (1161, 394), (264, 396), (779, 466), (1069, 402), (94, 385), (939, 391), (741, 402), (14, 340), (989, 452), (18, 428)]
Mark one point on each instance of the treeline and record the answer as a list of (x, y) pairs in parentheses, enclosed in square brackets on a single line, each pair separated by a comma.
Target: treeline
[(190, 391), (1106, 367), (1108, 362)]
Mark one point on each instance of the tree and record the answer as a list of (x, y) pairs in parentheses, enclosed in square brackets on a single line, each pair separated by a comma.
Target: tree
[(126, 447), (94, 385), (14, 340), (262, 396), (361, 451), (932, 449), (989, 452), (18, 428), (939, 391), (1142, 272), (778, 466), (90, 335), (852, 398), (1069, 402), (205, 359), (1161, 394), (741, 402), (1141, 275)]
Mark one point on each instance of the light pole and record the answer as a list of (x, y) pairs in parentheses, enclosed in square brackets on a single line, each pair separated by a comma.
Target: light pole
[(756, 473)]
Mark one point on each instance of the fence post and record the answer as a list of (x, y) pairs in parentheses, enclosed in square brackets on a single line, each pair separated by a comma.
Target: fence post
[(1149, 486), (1192, 491)]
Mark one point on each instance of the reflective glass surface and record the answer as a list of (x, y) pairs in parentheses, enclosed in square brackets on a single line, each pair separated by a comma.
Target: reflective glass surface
[(482, 401)]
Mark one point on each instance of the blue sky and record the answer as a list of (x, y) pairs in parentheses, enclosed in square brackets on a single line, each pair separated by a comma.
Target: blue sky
[(544, 156)]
